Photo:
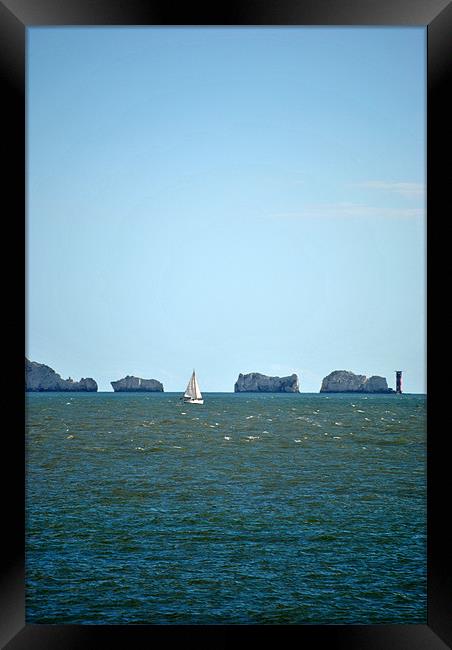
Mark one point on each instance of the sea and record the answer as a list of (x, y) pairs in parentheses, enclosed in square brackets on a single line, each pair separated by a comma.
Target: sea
[(251, 509)]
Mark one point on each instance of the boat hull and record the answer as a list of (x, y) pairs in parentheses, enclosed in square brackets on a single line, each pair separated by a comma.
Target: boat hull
[(189, 400)]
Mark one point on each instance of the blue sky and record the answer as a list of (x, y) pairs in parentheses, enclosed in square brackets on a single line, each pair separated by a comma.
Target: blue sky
[(226, 199)]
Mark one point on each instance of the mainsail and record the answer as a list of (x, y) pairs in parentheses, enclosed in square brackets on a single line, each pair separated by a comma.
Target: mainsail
[(192, 391)]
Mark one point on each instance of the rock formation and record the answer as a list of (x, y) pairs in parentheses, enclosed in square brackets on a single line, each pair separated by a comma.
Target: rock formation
[(134, 384), (254, 382), (377, 384), (41, 378), (344, 381)]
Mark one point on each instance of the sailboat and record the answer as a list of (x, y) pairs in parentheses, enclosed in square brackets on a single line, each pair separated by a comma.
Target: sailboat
[(192, 393)]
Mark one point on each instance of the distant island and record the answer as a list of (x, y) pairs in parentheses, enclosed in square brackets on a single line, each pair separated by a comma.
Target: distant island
[(136, 384), (255, 382), (344, 381), (42, 378)]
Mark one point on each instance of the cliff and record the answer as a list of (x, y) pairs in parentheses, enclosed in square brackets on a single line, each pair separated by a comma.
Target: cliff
[(344, 381), (254, 382), (134, 384), (41, 378)]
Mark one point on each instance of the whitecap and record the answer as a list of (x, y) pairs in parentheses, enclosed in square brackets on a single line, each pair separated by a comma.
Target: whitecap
[(69, 437), (248, 417), (359, 411), (297, 440), (227, 438), (337, 437)]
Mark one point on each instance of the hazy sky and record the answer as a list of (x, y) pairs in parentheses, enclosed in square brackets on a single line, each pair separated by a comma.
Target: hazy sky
[(226, 199)]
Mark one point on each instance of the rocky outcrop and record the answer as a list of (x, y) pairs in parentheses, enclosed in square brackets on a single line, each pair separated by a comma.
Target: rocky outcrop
[(377, 384), (41, 378), (254, 382), (344, 381), (134, 384)]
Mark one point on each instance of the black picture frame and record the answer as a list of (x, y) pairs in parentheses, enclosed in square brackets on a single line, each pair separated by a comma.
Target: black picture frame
[(15, 17)]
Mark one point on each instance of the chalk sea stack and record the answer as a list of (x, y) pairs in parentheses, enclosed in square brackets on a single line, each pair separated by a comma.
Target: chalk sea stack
[(254, 382), (41, 378), (136, 384), (344, 381)]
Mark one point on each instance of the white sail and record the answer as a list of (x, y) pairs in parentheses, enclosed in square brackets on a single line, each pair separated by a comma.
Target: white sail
[(192, 391), (198, 394)]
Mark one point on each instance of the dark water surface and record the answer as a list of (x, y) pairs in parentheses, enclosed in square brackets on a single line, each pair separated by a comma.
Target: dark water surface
[(297, 508)]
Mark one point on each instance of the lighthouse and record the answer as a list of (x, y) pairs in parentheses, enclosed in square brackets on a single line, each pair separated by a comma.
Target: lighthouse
[(398, 375)]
